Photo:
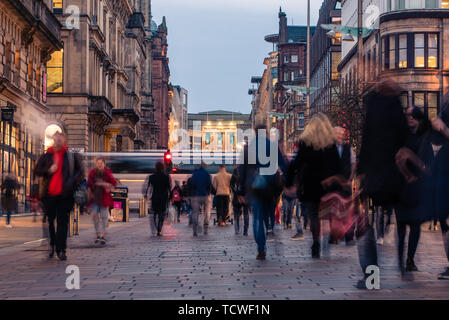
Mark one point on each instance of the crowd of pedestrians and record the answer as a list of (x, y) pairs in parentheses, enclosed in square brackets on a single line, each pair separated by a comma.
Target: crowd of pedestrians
[(400, 171)]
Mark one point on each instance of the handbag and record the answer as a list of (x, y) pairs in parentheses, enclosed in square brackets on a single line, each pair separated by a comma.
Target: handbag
[(340, 210)]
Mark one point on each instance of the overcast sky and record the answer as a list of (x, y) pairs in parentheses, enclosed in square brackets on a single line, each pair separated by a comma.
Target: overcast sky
[(215, 46)]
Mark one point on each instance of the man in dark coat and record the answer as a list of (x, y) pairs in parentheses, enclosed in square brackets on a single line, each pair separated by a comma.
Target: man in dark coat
[(239, 203), (384, 134), (441, 179), (9, 199), (160, 195), (62, 171)]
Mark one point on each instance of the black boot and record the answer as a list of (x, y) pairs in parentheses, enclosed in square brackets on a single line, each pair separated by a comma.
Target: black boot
[(51, 253), (410, 265), (316, 250)]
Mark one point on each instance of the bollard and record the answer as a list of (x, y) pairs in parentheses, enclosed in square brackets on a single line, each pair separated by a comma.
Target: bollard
[(126, 211), (141, 208), (76, 221)]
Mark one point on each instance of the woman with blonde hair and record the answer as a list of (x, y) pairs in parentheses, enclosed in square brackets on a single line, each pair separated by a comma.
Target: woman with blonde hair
[(317, 160)]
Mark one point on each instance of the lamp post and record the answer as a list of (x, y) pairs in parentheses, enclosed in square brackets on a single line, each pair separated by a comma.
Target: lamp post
[(308, 59), (360, 60)]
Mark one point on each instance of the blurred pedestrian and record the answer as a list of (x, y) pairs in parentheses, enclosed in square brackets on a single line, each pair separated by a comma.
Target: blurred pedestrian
[(200, 190), (160, 185), (415, 206), (177, 200), (62, 171), (187, 196), (316, 160), (288, 205), (239, 205), (383, 221), (221, 184), (346, 169), (384, 134), (100, 184), (440, 174), (9, 187), (262, 182)]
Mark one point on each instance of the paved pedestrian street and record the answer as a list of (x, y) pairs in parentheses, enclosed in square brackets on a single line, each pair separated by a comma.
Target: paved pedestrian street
[(221, 265)]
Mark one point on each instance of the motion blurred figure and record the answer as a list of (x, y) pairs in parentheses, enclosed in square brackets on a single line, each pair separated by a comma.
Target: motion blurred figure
[(346, 169), (100, 184), (415, 206), (200, 186), (384, 134), (262, 188), (440, 172), (239, 205), (62, 172), (159, 182), (9, 187), (177, 200), (316, 160), (221, 184)]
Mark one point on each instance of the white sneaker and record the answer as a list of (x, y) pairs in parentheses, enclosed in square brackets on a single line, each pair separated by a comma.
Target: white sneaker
[(380, 241), (8, 226)]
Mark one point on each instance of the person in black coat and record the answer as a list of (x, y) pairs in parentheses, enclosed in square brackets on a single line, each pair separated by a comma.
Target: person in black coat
[(413, 208), (316, 160), (161, 193), (384, 134), (62, 171), (239, 205), (440, 174), (9, 200)]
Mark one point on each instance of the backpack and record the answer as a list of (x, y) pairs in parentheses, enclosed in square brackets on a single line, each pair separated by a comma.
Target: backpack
[(80, 194), (176, 195)]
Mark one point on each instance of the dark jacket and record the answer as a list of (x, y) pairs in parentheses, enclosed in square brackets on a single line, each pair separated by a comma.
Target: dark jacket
[(9, 199), (314, 166), (236, 187), (385, 132), (161, 191), (71, 180), (427, 198), (200, 184), (265, 188)]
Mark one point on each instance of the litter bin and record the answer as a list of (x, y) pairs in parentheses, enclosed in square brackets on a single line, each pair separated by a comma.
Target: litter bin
[(121, 204)]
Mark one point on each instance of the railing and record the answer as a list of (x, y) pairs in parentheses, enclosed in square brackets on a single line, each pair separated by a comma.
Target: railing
[(100, 105)]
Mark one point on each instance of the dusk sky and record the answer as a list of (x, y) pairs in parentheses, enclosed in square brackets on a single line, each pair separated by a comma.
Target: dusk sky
[(215, 46)]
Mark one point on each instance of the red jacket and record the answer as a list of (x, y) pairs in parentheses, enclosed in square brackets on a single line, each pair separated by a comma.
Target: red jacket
[(109, 178)]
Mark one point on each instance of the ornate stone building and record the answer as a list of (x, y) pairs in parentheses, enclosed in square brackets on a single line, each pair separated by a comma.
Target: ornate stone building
[(100, 83), (408, 42), (160, 86), (290, 54), (29, 34)]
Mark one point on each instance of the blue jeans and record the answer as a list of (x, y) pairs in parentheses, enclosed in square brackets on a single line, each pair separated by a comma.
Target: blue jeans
[(261, 213), (366, 240), (287, 210), (380, 220), (100, 216), (238, 210)]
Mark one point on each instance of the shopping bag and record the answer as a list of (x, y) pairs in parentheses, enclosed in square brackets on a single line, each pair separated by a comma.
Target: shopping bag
[(171, 214), (153, 228), (340, 210)]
